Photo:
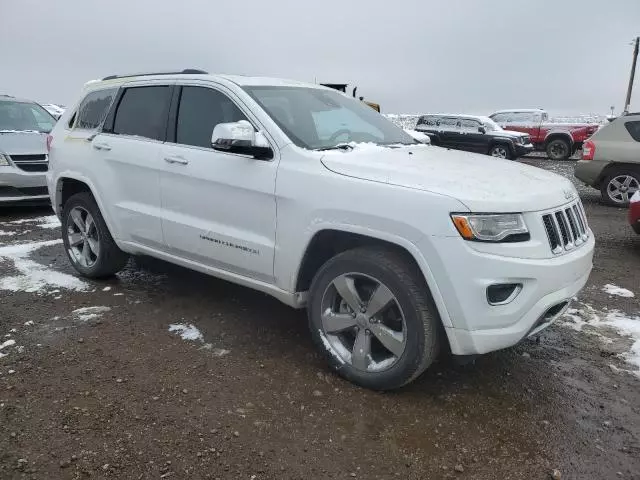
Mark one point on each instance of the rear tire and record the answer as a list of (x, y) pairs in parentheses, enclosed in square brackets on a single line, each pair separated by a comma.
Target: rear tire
[(410, 296), (618, 187), (87, 240), (558, 149)]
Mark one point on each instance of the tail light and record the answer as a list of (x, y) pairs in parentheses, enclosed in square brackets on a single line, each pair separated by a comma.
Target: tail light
[(588, 150), (49, 140)]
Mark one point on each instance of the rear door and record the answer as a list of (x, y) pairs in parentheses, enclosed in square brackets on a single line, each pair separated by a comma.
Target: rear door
[(449, 131), (129, 150), (219, 207)]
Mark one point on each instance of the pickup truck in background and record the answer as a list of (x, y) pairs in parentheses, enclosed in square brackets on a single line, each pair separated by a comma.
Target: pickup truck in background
[(559, 140)]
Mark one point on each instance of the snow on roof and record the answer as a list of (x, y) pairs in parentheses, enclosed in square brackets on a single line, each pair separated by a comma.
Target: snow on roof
[(520, 110), (480, 118)]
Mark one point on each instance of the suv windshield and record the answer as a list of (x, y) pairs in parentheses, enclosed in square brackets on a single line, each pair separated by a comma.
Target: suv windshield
[(314, 118), (25, 117)]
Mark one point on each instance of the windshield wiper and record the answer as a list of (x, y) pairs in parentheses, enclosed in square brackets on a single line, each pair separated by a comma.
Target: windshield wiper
[(339, 146)]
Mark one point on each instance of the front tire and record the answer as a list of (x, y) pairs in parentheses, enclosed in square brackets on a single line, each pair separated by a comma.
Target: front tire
[(619, 186), (87, 240), (372, 314), (500, 150), (558, 149)]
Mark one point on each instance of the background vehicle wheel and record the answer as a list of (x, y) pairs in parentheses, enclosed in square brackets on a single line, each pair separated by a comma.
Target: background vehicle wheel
[(619, 186), (558, 149), (500, 151), (372, 314), (87, 241)]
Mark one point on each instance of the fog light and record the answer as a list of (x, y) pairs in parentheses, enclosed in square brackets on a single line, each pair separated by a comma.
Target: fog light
[(502, 293)]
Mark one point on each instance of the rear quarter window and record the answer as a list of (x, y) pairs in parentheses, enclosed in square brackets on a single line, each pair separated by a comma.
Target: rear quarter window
[(93, 109), (634, 130)]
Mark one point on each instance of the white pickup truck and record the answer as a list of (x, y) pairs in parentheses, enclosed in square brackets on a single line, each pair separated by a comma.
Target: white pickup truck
[(397, 249)]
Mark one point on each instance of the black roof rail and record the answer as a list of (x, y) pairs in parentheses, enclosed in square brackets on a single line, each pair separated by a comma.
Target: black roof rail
[(5, 95), (186, 71)]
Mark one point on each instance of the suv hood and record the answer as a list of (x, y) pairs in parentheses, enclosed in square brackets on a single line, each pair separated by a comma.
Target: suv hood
[(22, 143), (508, 134), (483, 183)]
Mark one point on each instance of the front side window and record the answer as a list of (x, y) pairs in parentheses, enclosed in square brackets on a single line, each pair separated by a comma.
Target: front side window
[(25, 117), (634, 130), (201, 109), (94, 108), (315, 118), (469, 125), (143, 112)]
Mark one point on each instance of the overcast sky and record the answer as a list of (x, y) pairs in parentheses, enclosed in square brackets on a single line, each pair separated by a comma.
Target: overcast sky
[(410, 56)]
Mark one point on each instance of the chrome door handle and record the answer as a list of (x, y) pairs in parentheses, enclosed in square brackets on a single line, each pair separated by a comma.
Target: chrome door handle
[(102, 146), (178, 160)]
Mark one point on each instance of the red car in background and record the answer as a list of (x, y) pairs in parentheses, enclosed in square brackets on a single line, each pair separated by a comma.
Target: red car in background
[(559, 140), (634, 212)]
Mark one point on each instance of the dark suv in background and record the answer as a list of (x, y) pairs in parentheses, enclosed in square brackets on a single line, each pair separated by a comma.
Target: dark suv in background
[(474, 134)]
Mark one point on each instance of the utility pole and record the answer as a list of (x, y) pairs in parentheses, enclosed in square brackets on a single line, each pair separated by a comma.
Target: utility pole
[(627, 102)]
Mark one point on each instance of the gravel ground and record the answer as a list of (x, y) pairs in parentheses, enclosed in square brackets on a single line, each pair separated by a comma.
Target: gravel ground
[(97, 386)]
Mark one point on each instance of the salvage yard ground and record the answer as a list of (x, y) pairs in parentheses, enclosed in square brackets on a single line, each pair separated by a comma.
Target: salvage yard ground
[(162, 372)]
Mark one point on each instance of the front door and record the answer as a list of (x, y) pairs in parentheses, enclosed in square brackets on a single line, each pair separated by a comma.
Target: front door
[(473, 140), (449, 129), (219, 208)]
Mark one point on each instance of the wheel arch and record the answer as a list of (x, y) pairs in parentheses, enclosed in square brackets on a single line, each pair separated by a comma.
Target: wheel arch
[(558, 135), (328, 242), (613, 167), (502, 141), (68, 184)]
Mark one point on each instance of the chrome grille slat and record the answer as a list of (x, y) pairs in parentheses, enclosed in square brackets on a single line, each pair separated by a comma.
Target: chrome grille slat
[(566, 227)]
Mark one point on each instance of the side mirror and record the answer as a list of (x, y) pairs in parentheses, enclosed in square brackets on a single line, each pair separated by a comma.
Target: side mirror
[(240, 138), (481, 129)]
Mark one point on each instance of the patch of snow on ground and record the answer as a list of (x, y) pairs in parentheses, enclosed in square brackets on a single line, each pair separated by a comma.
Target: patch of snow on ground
[(8, 343), (602, 323), (89, 313), (186, 331), (50, 221), (6, 234), (619, 291), (34, 277)]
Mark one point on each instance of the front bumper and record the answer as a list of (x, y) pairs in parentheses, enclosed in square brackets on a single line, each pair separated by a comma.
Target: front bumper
[(477, 327), (19, 186), (522, 150), (590, 171)]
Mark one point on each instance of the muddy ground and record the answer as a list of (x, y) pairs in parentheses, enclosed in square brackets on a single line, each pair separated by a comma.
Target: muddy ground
[(112, 393)]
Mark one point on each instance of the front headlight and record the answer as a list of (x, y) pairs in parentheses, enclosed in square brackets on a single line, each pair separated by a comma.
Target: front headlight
[(491, 227), (4, 161)]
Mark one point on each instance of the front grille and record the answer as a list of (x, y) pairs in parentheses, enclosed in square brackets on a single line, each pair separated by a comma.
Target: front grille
[(31, 163), (566, 228), (22, 192)]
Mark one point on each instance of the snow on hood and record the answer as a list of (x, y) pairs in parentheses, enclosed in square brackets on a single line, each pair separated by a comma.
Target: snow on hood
[(481, 182), (23, 143)]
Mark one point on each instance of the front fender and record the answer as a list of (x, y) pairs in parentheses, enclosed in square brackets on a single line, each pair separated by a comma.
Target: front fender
[(557, 133), (408, 244)]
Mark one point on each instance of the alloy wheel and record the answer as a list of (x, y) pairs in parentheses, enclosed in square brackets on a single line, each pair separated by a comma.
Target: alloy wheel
[(83, 237), (499, 152), (621, 188), (363, 322)]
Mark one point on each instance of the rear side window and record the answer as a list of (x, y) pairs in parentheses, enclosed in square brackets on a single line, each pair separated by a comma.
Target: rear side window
[(201, 109), (143, 112), (93, 109), (634, 130)]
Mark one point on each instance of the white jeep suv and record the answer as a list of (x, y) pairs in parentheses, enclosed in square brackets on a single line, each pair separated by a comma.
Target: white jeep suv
[(397, 249)]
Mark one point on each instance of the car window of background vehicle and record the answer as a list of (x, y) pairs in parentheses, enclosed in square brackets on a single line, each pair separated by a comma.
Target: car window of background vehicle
[(634, 130), (201, 109), (23, 116), (143, 112)]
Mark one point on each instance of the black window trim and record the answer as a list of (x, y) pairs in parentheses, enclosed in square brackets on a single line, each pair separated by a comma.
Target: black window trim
[(174, 108), (110, 119)]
